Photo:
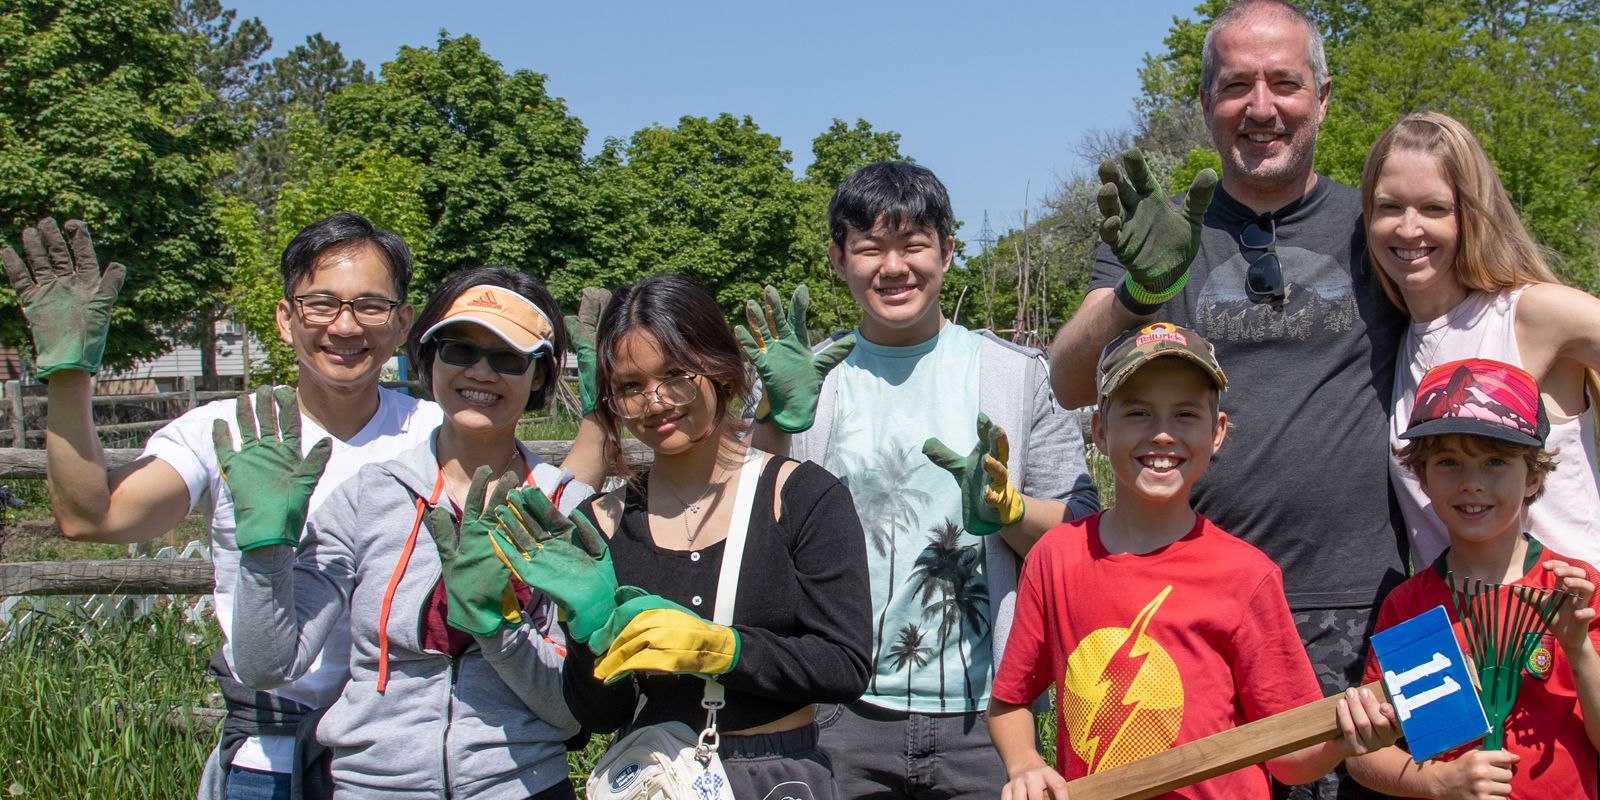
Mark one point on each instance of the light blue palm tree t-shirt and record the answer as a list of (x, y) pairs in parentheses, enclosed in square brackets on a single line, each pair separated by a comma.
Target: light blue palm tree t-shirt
[(930, 601)]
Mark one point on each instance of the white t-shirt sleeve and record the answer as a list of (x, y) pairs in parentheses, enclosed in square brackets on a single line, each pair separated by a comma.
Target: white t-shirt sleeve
[(185, 444)]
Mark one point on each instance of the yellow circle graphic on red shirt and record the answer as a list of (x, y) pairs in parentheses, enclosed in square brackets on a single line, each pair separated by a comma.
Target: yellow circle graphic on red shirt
[(1122, 696)]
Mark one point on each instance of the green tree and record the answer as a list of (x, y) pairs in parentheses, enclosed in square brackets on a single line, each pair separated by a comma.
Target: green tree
[(98, 121), (710, 198), (503, 180)]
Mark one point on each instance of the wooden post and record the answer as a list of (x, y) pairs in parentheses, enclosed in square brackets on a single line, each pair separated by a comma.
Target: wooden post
[(186, 383), (19, 430), (1236, 748)]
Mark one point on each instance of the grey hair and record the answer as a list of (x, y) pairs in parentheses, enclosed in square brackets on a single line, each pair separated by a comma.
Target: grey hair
[(1244, 10)]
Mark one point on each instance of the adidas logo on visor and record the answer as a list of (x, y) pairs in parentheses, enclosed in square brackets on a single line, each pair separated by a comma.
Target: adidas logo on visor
[(486, 300)]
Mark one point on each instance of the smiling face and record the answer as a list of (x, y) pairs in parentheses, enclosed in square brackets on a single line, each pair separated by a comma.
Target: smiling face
[(1414, 233), (476, 399), (1160, 428), (895, 277), (1478, 494), (641, 365), (1263, 105), (344, 352)]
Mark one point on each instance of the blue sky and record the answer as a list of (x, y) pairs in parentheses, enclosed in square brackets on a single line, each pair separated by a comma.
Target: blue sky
[(992, 97)]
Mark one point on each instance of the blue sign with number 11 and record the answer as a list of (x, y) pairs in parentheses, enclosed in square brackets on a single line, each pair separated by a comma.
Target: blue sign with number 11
[(1429, 684)]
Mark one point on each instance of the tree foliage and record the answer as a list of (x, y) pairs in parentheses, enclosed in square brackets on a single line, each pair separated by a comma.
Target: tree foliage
[(99, 120), (504, 180)]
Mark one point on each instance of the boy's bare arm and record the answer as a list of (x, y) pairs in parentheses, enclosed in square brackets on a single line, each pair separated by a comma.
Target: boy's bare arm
[(1038, 517), (1367, 725), (1477, 775), (587, 458), (1075, 352), (133, 503), (1029, 778)]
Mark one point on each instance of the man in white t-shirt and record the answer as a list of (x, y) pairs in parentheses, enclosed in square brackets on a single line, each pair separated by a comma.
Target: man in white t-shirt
[(344, 312)]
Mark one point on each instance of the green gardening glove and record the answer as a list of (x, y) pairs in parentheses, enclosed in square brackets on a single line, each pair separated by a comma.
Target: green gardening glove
[(271, 484), (791, 375), (1154, 241), (988, 500), (64, 296), (476, 583), (581, 332), (567, 559), (631, 602)]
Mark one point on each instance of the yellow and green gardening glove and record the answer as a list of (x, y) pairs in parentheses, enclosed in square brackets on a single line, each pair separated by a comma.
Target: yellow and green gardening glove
[(1154, 241), (270, 482), (581, 330), (567, 559), (476, 582), (791, 375), (631, 602), (65, 297), (988, 500), (670, 640)]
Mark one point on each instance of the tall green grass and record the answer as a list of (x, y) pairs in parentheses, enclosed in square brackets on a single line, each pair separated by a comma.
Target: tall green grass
[(86, 706)]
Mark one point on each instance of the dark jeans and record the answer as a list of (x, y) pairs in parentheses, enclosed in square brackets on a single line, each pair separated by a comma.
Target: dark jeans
[(1336, 641), (251, 784), (880, 754)]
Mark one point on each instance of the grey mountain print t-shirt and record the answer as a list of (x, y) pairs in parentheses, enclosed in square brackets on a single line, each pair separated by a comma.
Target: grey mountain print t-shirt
[(1303, 473)]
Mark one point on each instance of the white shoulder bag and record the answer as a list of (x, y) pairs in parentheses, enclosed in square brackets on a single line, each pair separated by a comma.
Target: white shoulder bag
[(667, 761)]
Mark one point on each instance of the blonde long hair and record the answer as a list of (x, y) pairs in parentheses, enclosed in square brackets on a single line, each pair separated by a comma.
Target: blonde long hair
[(1495, 252)]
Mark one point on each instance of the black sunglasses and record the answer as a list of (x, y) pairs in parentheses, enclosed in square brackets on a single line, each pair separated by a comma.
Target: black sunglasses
[(1263, 281), (503, 360)]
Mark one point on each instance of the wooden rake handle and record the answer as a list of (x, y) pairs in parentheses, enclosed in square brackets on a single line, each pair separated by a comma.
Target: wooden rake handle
[(1188, 764)]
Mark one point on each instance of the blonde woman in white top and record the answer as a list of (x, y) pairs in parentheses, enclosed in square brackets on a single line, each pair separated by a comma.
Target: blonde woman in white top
[(1452, 252)]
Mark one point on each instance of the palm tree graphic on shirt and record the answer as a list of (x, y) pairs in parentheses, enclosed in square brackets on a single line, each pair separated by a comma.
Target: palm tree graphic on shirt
[(947, 569)]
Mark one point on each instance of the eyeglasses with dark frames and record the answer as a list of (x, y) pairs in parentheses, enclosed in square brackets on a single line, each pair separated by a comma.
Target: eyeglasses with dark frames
[(323, 309), (634, 403), (1264, 278), (504, 360)]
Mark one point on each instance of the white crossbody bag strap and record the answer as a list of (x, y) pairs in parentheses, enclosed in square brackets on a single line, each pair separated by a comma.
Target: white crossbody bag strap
[(744, 501)]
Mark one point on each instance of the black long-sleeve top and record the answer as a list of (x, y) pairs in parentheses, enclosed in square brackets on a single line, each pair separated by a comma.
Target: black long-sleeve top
[(803, 613)]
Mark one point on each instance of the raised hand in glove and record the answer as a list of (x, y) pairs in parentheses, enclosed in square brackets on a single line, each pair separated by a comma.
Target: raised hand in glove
[(1154, 241), (988, 500), (270, 482), (567, 559), (670, 640), (64, 296), (581, 331), (475, 580), (791, 375)]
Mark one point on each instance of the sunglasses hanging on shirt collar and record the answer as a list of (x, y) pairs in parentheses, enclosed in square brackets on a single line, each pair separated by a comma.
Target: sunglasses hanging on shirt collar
[(1263, 280)]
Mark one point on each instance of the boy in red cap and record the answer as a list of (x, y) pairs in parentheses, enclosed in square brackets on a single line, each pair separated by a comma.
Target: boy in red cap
[(1156, 627), (1477, 443)]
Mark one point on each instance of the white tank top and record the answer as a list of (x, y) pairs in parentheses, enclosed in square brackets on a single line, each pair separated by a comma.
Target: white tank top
[(1566, 518)]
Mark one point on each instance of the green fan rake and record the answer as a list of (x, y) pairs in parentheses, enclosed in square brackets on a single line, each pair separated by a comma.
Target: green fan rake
[(1503, 624)]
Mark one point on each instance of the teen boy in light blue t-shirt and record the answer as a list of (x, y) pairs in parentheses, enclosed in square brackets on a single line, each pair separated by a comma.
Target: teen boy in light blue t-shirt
[(915, 391)]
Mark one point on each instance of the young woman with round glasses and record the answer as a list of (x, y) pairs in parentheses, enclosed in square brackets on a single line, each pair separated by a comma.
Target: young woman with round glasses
[(455, 668), (801, 620), (1452, 252)]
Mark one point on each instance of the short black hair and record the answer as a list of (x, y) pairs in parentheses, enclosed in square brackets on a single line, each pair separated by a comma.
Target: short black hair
[(339, 232), (421, 353), (903, 195)]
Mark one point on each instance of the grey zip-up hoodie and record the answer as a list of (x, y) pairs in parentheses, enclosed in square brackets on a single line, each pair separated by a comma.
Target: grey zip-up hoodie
[(488, 725)]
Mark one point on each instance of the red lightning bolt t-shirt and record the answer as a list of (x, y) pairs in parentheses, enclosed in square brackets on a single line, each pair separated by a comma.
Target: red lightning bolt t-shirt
[(1151, 651)]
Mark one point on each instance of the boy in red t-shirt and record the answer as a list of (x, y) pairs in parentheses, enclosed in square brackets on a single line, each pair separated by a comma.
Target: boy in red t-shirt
[(1477, 439), (1156, 627)]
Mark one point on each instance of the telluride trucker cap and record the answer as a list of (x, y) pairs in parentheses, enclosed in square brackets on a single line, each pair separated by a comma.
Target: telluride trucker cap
[(1135, 348)]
